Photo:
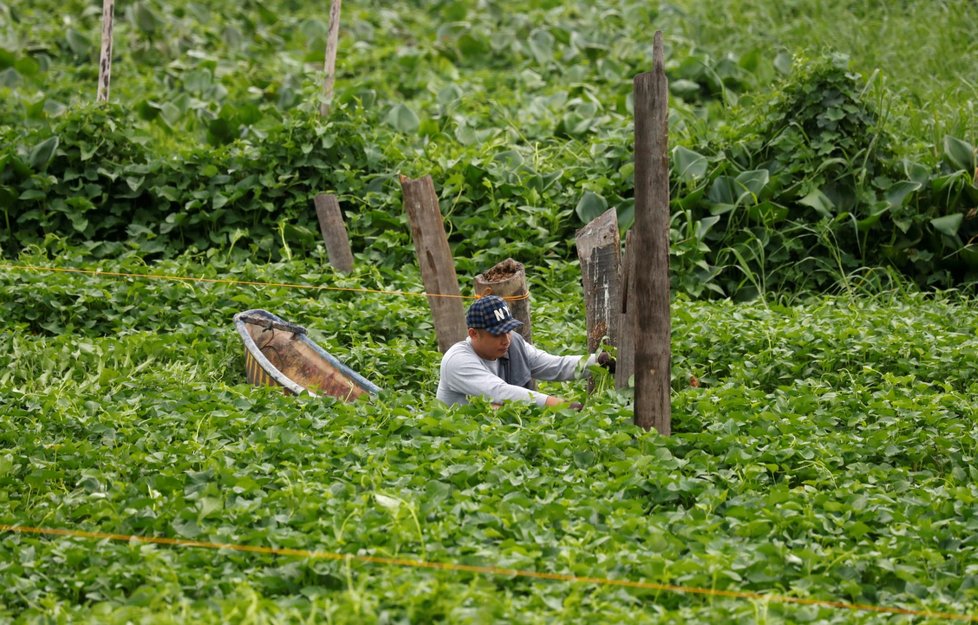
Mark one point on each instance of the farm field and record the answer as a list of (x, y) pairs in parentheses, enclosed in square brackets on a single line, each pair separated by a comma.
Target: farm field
[(822, 467), (828, 452)]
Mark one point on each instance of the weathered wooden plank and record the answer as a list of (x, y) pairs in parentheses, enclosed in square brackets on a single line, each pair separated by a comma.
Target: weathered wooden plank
[(651, 297), (435, 259), (626, 341), (599, 251), (334, 232)]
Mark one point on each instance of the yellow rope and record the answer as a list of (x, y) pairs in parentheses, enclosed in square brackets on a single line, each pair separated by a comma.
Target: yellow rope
[(287, 285), (490, 570)]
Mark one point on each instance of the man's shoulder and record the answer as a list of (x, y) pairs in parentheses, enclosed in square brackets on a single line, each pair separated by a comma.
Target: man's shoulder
[(462, 349)]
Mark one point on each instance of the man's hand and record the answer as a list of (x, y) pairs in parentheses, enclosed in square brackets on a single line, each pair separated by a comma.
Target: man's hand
[(605, 360), (555, 401)]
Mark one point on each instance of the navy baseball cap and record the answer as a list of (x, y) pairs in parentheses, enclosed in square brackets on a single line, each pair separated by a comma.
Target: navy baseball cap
[(490, 313)]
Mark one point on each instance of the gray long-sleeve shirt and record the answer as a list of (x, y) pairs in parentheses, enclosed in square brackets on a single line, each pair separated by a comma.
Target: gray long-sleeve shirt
[(464, 374)]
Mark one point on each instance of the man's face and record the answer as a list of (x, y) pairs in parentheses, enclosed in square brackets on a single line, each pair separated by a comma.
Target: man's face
[(489, 346)]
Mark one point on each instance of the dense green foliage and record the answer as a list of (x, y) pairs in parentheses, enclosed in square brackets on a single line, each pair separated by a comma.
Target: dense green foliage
[(824, 415), (828, 452), (785, 174)]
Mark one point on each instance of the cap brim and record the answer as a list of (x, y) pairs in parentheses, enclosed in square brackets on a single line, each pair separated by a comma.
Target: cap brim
[(506, 326)]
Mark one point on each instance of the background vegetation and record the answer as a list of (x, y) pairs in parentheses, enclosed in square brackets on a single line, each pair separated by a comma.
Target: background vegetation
[(823, 171), (798, 160)]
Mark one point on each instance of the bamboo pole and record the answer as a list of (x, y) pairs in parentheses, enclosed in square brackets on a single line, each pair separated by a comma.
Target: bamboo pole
[(651, 305), (105, 55), (329, 65)]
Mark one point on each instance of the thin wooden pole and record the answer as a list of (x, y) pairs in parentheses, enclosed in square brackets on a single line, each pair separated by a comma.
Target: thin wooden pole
[(105, 56), (599, 251), (334, 232), (329, 65), (651, 306), (435, 259), (507, 279)]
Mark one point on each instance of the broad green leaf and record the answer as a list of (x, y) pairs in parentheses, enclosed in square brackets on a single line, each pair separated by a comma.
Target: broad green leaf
[(959, 154), (724, 190), (32, 194), (916, 172), (820, 202), (187, 528), (9, 77), (402, 118), (79, 44), (145, 18), (78, 221), (27, 66), (198, 80), (541, 45), (209, 505), (783, 63), (879, 209), (684, 88), (43, 152), (590, 206), (896, 195), (390, 503), (54, 108), (690, 165), (170, 113), (704, 225), (949, 224), (449, 94), (753, 182)]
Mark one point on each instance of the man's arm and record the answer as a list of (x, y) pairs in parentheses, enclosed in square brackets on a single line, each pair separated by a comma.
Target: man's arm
[(544, 366)]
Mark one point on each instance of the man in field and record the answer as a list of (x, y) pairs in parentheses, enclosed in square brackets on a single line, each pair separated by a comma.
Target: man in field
[(496, 363)]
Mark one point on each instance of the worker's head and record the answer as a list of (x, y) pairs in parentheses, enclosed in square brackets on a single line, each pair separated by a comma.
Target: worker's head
[(490, 322)]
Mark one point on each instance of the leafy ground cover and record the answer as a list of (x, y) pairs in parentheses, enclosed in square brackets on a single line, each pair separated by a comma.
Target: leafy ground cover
[(826, 449), (828, 452)]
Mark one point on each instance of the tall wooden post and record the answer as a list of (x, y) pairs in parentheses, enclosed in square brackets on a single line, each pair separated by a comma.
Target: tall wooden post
[(435, 259), (507, 279), (329, 64), (651, 305), (599, 250), (105, 56), (334, 232)]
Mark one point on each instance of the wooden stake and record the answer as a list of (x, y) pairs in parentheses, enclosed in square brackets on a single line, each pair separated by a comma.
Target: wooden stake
[(625, 368), (507, 279), (651, 303), (435, 259), (329, 65), (599, 250), (105, 56), (334, 232)]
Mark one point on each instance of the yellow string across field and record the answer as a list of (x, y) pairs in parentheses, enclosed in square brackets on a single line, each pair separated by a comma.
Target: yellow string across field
[(488, 570), (232, 282)]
